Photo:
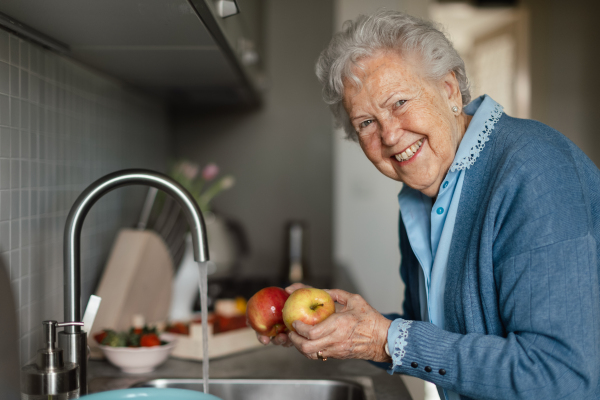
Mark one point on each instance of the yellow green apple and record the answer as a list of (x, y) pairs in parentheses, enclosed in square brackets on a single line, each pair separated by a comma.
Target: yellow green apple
[(309, 305)]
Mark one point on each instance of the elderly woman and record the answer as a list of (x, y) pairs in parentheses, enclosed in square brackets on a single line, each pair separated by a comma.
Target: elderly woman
[(499, 227)]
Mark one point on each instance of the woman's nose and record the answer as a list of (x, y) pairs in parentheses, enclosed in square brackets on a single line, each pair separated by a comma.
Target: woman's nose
[(390, 134)]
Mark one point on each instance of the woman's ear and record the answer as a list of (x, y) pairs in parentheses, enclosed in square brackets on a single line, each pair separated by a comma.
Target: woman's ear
[(452, 89)]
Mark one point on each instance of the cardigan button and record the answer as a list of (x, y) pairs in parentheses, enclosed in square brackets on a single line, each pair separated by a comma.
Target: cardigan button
[(445, 185), (442, 372), (414, 364), (440, 211), (428, 369)]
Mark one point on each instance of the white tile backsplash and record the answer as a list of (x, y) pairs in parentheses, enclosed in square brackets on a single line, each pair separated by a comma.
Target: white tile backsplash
[(62, 126), (4, 78), (4, 46)]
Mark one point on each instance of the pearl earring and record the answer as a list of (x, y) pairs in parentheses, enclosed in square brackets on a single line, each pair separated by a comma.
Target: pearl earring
[(454, 109)]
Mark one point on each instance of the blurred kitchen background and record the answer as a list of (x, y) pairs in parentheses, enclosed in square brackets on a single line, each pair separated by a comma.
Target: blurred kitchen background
[(87, 88)]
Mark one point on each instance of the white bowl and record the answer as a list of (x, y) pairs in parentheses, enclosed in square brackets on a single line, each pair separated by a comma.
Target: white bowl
[(139, 360)]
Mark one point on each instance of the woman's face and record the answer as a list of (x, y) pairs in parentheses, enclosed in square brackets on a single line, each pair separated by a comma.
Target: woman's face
[(404, 122)]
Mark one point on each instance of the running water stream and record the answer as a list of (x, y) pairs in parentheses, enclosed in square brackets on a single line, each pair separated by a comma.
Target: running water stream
[(203, 266)]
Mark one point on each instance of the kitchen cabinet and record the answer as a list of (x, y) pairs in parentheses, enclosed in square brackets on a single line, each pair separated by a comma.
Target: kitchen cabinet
[(181, 50)]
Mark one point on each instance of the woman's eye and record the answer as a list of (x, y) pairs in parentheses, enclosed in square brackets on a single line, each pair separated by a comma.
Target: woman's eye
[(366, 123), (399, 103)]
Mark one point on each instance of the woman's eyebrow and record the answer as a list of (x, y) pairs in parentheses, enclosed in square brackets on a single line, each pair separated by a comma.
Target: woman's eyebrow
[(384, 103), (359, 116)]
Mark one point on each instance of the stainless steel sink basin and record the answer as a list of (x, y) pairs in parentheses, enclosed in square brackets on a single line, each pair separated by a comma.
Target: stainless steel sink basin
[(357, 388)]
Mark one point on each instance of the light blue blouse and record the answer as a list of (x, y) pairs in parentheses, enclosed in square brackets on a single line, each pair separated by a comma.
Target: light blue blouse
[(430, 226)]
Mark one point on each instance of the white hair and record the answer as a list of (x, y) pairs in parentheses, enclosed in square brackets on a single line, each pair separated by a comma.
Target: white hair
[(384, 31)]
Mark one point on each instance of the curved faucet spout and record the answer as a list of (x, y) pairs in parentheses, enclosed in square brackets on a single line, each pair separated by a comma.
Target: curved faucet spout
[(73, 340), (74, 224)]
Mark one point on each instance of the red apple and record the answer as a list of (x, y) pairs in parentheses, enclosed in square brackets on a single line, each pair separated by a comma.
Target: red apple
[(308, 305), (264, 311)]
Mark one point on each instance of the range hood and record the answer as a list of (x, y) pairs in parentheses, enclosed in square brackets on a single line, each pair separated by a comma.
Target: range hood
[(179, 49)]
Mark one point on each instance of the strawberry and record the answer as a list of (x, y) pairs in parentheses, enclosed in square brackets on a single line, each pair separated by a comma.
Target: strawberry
[(99, 337), (150, 340)]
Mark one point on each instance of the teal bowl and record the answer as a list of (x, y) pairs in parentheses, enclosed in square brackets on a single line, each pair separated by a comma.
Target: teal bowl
[(151, 394)]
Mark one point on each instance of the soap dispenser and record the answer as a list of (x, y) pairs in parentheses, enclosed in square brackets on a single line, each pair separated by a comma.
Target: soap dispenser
[(50, 377)]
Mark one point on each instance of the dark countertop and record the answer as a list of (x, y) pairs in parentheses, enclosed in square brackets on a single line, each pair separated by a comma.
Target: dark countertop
[(262, 363)]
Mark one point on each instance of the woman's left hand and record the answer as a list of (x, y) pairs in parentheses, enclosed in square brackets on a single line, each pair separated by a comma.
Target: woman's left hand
[(355, 330)]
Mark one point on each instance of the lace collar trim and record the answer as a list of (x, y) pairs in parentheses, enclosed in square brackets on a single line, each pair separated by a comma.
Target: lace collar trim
[(487, 125)]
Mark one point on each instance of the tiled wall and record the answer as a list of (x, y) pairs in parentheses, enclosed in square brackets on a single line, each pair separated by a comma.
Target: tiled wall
[(62, 126)]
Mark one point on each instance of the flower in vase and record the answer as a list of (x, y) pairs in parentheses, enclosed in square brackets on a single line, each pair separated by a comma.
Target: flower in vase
[(188, 169), (189, 176), (210, 172)]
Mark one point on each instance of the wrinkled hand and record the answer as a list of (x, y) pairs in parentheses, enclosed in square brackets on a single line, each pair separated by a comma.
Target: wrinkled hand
[(281, 338), (355, 330)]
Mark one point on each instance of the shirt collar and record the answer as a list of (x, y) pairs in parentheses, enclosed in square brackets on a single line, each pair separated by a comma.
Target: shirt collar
[(486, 112)]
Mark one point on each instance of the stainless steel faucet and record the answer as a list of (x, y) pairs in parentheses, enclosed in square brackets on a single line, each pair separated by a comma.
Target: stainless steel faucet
[(73, 340)]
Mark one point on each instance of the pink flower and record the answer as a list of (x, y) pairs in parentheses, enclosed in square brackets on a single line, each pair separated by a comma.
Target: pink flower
[(210, 172), (189, 170)]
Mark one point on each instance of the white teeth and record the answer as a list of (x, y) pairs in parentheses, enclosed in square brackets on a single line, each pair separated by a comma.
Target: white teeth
[(408, 153)]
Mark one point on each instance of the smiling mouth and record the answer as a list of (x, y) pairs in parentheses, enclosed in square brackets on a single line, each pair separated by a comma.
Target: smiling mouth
[(410, 152)]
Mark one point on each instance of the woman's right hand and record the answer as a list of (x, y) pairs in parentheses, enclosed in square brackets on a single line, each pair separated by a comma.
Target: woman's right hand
[(281, 339)]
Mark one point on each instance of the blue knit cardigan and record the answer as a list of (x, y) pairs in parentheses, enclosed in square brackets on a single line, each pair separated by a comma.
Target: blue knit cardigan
[(522, 301)]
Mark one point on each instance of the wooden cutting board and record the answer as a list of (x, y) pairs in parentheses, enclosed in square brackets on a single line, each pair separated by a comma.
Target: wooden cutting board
[(137, 280)]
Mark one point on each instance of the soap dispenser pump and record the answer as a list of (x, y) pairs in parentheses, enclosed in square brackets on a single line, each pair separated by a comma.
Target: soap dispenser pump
[(50, 377)]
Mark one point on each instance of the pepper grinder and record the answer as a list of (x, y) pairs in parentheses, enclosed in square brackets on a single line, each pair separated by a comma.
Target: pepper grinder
[(295, 267), (50, 376)]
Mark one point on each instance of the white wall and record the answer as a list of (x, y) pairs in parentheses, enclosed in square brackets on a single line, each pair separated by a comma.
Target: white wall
[(564, 69)]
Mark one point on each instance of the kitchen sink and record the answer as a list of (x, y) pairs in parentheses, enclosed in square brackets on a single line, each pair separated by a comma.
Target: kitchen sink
[(356, 388)]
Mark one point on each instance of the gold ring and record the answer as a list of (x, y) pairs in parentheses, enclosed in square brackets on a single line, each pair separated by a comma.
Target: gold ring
[(320, 355)]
